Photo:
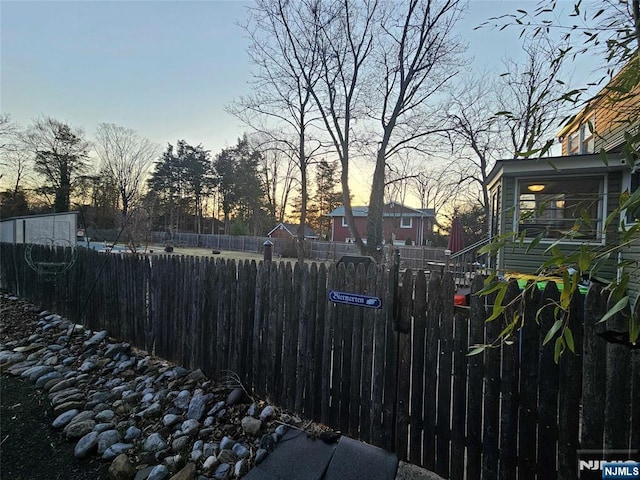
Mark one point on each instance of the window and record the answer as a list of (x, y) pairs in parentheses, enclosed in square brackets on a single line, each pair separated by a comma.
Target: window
[(582, 141), (406, 222), (553, 207), (633, 184), (344, 222)]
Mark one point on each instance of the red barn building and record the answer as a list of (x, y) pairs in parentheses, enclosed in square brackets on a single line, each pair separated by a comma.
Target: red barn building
[(400, 223)]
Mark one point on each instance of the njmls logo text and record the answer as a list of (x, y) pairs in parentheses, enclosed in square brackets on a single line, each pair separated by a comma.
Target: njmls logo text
[(608, 464), (621, 470), (599, 464)]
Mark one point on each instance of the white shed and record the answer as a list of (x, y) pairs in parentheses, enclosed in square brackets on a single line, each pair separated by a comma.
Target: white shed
[(49, 229)]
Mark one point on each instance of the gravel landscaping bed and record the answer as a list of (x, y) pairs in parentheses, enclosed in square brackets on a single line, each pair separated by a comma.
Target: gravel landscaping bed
[(89, 406)]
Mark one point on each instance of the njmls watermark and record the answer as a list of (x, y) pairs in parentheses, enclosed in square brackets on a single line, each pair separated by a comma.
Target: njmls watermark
[(608, 464)]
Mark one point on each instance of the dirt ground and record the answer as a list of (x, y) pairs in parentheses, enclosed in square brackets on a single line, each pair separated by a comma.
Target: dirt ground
[(31, 449)]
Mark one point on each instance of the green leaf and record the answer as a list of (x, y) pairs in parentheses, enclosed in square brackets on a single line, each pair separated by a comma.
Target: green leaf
[(621, 305), (476, 350), (557, 325), (568, 337)]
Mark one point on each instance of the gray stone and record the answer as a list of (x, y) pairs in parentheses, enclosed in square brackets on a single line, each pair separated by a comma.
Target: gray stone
[(169, 420), (196, 376), (190, 426), (96, 338), (116, 449), (280, 430), (86, 445), (41, 382), (71, 405), (65, 418), (68, 382), (408, 471), (226, 443), (179, 443), (216, 408), (114, 349), (78, 429), (241, 468), (132, 433), (103, 427), (104, 416), (87, 366), (227, 456), (32, 374), (106, 439), (8, 358), (121, 468), (152, 410), (261, 454), (159, 472), (188, 472), (240, 450), (222, 471), (267, 413), (69, 360), (155, 443), (211, 462), (251, 426), (144, 472), (235, 397), (198, 405), (182, 400)]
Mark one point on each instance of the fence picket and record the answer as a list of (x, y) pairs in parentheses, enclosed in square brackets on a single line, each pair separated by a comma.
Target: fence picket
[(509, 392), (417, 367), (445, 370), (356, 356), (404, 368), (548, 390), (431, 369), (529, 348), (570, 384)]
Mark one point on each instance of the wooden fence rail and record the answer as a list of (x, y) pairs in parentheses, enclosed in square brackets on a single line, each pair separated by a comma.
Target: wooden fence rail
[(510, 412)]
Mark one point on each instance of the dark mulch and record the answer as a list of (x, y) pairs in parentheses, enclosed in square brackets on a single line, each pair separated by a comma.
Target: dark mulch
[(30, 448)]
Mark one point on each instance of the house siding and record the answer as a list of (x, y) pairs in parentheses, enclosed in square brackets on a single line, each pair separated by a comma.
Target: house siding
[(612, 117)]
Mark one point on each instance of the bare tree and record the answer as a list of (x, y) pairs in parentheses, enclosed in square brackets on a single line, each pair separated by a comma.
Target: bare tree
[(417, 57), (477, 134), (277, 170), (283, 82), (126, 157), (436, 187), (530, 96)]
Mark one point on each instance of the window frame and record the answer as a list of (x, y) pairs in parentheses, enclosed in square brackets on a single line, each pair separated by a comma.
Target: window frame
[(344, 222), (402, 219), (602, 209), (628, 184)]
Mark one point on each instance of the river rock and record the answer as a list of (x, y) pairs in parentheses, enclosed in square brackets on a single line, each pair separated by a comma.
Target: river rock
[(106, 439), (65, 418), (86, 445), (159, 472), (78, 429), (251, 426), (188, 472), (121, 468), (155, 443)]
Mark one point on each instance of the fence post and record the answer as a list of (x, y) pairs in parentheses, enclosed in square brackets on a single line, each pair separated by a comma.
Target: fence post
[(268, 253)]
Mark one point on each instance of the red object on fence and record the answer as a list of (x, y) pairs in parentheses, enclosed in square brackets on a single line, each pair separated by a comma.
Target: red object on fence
[(460, 299)]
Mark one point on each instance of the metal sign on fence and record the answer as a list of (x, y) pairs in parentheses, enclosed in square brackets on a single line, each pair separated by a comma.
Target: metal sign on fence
[(355, 299)]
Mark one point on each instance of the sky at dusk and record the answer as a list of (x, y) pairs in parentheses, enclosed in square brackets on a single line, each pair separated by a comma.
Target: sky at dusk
[(166, 69)]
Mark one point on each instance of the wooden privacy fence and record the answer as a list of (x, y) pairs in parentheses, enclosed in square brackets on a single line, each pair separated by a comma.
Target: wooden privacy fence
[(510, 412)]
